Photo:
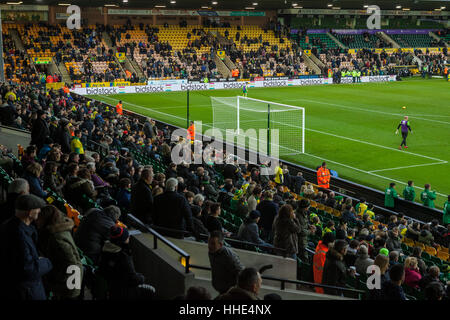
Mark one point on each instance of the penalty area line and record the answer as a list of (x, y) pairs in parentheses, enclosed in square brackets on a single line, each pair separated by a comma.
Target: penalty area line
[(412, 166)]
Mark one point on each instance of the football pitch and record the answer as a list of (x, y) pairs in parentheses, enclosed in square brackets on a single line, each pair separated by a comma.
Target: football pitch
[(350, 126)]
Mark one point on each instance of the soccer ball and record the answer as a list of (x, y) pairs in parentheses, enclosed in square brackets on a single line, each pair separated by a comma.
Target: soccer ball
[(403, 107)]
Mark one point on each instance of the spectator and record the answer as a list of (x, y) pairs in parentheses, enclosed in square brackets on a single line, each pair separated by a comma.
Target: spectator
[(286, 229), (431, 276), (412, 274), (383, 264), (319, 258), (363, 261), (141, 202), (248, 231), (94, 230), (392, 290), (124, 194), (16, 188), (197, 293), (39, 130), (212, 221), (252, 201), (56, 242), (21, 261), (32, 175), (248, 284), (116, 265), (268, 210), (393, 242), (334, 271), (393, 258), (225, 264), (417, 253), (305, 229), (425, 235), (180, 217), (352, 250), (434, 291)]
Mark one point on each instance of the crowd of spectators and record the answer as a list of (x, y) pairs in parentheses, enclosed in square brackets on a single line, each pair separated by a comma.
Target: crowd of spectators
[(16, 64)]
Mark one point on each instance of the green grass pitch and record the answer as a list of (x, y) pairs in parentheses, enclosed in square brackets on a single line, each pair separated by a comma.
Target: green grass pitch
[(351, 126)]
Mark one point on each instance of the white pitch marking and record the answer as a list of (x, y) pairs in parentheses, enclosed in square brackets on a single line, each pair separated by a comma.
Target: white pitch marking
[(412, 166)]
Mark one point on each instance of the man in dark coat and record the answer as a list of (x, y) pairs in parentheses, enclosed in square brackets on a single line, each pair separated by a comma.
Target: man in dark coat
[(94, 230), (172, 211), (268, 210), (39, 130), (64, 136), (142, 199), (248, 284), (22, 267), (225, 264), (334, 270)]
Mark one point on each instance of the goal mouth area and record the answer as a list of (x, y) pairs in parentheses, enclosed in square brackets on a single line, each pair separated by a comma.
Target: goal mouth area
[(284, 124)]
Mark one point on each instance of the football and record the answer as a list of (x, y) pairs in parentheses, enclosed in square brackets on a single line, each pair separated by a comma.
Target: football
[(403, 107)]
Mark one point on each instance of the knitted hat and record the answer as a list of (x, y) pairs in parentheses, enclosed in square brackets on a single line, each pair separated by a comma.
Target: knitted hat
[(118, 234), (254, 214), (384, 252)]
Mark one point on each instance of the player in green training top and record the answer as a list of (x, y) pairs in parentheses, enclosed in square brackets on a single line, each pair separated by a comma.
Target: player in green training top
[(446, 216), (390, 195), (427, 196), (409, 193), (245, 89)]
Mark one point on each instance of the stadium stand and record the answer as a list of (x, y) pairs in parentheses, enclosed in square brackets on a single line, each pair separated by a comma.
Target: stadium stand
[(118, 161), (102, 174)]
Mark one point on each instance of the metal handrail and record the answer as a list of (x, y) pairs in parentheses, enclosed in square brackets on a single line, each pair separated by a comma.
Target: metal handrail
[(284, 281), (157, 236)]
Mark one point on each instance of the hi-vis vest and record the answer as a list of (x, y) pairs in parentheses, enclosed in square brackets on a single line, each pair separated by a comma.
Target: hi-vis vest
[(191, 132), (119, 109)]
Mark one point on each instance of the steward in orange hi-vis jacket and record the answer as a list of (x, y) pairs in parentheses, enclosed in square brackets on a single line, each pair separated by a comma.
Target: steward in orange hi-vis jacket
[(191, 132), (323, 176)]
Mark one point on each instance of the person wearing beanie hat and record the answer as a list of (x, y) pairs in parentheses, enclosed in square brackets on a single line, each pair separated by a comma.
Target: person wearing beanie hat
[(21, 265), (119, 235), (249, 232), (117, 267), (384, 252)]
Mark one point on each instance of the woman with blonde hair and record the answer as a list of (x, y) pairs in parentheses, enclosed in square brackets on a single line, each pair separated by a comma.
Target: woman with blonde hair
[(32, 175), (412, 274)]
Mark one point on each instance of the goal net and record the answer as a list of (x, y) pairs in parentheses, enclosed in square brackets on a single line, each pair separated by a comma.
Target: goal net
[(284, 124)]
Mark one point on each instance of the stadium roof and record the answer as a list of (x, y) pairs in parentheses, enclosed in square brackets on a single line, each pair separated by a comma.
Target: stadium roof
[(257, 4)]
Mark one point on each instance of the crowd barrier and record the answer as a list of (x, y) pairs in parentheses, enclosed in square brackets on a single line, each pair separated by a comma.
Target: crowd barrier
[(170, 86)]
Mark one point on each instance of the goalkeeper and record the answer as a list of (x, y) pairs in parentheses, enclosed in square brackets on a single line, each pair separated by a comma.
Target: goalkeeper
[(404, 124)]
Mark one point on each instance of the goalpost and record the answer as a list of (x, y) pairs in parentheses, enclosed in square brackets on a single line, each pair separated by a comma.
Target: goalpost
[(247, 113)]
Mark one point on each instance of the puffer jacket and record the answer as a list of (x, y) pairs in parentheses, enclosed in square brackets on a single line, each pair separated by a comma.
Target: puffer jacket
[(362, 262), (93, 231), (56, 242)]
